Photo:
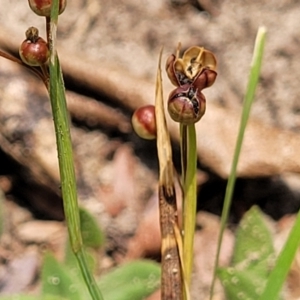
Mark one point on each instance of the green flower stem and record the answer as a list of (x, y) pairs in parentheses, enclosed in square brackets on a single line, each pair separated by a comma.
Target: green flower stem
[(252, 83), (189, 170), (65, 159)]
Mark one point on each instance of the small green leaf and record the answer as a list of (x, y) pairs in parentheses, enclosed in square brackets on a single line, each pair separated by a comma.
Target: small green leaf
[(26, 297), (253, 259), (253, 246), (241, 284), (132, 281), (20, 297), (52, 297), (57, 281), (71, 262), (92, 235)]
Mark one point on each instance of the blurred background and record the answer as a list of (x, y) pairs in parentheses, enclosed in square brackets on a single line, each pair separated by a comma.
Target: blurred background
[(109, 54)]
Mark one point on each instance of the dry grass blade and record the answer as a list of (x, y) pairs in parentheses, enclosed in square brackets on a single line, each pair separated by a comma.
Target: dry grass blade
[(171, 284), (179, 241)]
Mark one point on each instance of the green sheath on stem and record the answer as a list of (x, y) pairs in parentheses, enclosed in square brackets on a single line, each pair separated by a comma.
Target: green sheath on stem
[(189, 165)]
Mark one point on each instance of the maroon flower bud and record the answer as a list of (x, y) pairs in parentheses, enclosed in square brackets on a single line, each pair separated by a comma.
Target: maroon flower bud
[(34, 50), (144, 122), (43, 7), (186, 104)]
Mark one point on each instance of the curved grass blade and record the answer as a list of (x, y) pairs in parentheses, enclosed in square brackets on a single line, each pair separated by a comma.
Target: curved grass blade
[(252, 83)]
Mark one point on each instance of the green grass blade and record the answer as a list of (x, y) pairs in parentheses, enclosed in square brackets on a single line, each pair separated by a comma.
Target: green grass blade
[(67, 174), (65, 157), (252, 83), (283, 263)]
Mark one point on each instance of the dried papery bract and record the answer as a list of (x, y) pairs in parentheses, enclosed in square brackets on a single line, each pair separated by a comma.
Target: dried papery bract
[(194, 60), (43, 7), (172, 275), (34, 50)]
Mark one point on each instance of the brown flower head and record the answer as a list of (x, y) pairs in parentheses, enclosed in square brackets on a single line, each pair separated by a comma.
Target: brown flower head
[(197, 67), (191, 74)]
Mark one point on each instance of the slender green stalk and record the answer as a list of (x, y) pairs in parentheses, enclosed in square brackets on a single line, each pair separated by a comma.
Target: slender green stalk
[(252, 83), (183, 151), (189, 164), (283, 263), (65, 158)]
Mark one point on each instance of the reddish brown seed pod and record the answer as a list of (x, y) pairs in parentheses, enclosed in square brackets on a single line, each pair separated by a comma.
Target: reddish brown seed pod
[(34, 50), (43, 7), (186, 104), (196, 67), (205, 79), (170, 70), (144, 122)]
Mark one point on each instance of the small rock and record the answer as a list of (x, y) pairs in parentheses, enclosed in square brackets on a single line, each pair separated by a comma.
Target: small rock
[(20, 273), (40, 231)]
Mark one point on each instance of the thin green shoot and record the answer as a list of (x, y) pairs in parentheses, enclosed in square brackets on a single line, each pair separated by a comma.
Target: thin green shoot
[(65, 157), (249, 97)]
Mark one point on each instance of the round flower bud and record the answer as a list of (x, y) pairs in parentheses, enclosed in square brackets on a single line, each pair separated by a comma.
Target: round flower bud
[(186, 104), (34, 50), (144, 123), (43, 7)]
